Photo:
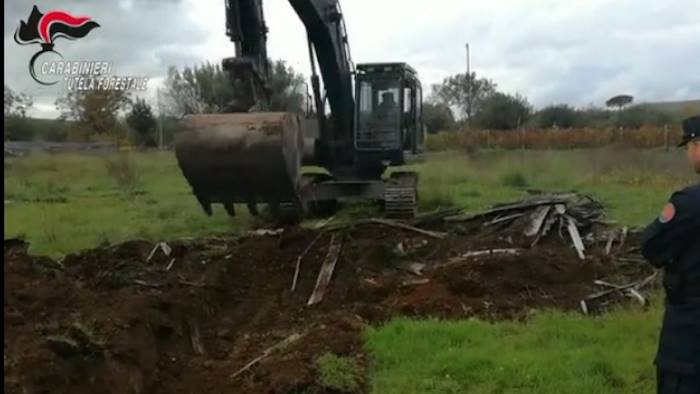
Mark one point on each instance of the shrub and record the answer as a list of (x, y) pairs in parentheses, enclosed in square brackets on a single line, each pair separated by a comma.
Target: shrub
[(438, 117), (514, 179), (124, 171), (338, 373), (504, 112), (561, 116)]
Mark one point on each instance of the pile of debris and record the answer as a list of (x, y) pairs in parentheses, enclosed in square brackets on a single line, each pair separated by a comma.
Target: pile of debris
[(537, 226), (579, 217), (579, 220)]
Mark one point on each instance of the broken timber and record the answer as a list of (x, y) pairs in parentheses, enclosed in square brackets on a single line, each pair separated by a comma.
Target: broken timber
[(278, 346), (389, 223), (622, 288), (403, 226), (552, 200), (537, 219), (300, 258), (575, 237), (465, 257), (326, 273), (195, 338)]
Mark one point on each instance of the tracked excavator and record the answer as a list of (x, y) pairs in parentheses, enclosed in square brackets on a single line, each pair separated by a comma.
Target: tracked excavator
[(365, 119)]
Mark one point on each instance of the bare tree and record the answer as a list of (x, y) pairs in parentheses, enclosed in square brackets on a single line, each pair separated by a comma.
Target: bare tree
[(16, 104)]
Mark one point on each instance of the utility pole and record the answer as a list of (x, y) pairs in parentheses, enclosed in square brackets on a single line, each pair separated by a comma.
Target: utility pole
[(469, 86), (468, 60)]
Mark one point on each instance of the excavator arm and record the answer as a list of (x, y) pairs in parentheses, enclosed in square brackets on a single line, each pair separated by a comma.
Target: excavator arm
[(328, 46), (249, 70), (327, 37)]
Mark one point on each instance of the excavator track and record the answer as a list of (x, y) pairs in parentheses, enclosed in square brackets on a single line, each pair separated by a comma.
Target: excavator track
[(401, 195)]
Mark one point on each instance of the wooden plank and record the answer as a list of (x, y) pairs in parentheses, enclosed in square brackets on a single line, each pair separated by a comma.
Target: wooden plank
[(635, 294), (413, 268), (504, 219), (278, 346), (415, 282), (560, 208), (435, 216), (537, 219), (609, 244), (584, 307), (623, 238), (464, 257), (490, 252), (385, 222), (404, 226), (614, 288), (575, 237), (145, 284), (195, 338), (167, 250), (546, 227), (553, 200), (300, 258), (326, 272)]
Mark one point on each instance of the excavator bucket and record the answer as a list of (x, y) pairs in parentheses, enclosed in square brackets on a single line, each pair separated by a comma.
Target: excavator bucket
[(241, 158)]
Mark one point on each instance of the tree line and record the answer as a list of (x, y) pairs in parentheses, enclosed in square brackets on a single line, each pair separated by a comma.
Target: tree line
[(465, 101), (460, 102), (117, 115)]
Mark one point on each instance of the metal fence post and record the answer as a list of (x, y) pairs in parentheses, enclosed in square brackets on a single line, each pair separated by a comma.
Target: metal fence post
[(621, 137)]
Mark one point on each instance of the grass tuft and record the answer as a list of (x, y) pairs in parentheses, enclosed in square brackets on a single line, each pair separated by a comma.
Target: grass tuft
[(514, 179), (123, 170), (338, 373)]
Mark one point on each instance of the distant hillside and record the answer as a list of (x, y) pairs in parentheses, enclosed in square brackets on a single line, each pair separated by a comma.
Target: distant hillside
[(685, 108)]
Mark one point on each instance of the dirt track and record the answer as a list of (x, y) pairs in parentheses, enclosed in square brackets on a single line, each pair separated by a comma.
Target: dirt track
[(107, 321)]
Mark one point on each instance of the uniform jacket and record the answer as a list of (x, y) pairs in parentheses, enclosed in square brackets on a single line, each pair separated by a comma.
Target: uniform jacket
[(672, 242)]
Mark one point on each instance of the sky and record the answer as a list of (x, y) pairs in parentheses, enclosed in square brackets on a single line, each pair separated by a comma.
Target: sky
[(578, 52)]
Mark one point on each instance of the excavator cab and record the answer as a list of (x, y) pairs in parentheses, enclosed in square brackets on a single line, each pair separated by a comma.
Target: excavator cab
[(388, 113)]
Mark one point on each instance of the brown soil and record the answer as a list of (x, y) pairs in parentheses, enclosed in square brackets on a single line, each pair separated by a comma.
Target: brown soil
[(107, 321)]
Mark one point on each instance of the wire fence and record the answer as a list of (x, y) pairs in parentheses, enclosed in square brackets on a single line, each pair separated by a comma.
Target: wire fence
[(647, 137), (20, 148)]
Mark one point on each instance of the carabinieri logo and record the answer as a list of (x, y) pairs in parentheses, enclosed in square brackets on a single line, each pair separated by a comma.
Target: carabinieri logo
[(44, 29)]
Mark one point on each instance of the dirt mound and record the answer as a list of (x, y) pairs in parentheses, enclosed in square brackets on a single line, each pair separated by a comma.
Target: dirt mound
[(190, 315)]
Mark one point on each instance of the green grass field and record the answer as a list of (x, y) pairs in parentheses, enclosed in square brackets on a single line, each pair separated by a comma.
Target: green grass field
[(553, 353), (64, 203)]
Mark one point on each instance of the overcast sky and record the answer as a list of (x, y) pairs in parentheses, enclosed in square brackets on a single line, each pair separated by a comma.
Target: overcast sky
[(551, 51)]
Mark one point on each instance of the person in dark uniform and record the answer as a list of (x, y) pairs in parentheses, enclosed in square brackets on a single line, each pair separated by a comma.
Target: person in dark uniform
[(672, 242)]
